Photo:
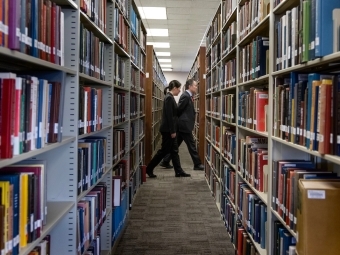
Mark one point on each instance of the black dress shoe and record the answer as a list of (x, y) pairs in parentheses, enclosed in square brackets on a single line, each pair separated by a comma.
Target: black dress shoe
[(182, 174), (199, 167), (166, 165), (151, 175)]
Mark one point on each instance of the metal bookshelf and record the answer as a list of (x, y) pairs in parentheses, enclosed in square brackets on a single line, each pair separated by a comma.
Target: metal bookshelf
[(277, 148), (62, 157)]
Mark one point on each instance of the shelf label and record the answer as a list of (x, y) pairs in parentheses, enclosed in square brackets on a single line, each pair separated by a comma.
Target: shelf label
[(316, 194)]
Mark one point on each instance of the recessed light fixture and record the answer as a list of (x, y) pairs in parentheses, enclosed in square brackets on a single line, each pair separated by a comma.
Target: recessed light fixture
[(166, 65), (163, 54), (157, 32), (152, 12), (167, 69), (159, 44), (164, 60)]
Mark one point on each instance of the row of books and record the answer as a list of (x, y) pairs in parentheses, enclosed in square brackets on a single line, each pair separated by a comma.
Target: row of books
[(96, 11), (229, 182), (121, 30), (124, 6), (135, 52), (303, 106), (251, 14), (134, 22), (31, 111), (119, 108), (215, 54), (228, 6), (214, 30), (142, 82), (33, 27), (208, 62), (92, 54), (133, 105), (228, 74), (215, 79), (133, 133), (215, 106), (253, 106), (43, 248), (229, 38), (284, 242), (252, 214), (253, 161), (119, 70), (134, 78), (142, 62), (142, 105), (90, 110), (306, 32), (215, 134), (141, 127), (228, 108), (91, 161), (228, 147), (135, 183), (119, 144), (23, 208), (254, 59), (91, 215), (120, 175)]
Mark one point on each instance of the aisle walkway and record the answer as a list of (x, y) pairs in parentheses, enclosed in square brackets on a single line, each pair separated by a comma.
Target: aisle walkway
[(175, 216)]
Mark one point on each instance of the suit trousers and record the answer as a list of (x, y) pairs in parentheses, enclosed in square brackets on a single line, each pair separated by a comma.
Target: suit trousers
[(190, 142), (169, 146)]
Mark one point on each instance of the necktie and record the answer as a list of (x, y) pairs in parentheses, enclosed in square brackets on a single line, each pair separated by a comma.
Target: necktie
[(192, 98)]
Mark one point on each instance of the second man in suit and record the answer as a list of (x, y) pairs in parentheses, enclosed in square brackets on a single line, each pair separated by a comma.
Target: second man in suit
[(186, 121)]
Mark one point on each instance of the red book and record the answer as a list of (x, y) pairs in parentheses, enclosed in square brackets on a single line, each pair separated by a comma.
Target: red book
[(261, 102), (53, 32), (7, 119)]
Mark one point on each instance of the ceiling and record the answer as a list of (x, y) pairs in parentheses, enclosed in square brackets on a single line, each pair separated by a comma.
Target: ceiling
[(187, 21)]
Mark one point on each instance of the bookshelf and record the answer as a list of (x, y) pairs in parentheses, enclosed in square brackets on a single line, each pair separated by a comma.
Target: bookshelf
[(197, 72), (91, 63), (154, 96), (251, 73)]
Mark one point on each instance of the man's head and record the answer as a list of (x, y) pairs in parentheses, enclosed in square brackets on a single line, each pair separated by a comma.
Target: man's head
[(191, 85)]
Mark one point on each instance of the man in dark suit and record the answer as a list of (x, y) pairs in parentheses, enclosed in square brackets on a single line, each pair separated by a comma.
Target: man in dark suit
[(186, 121)]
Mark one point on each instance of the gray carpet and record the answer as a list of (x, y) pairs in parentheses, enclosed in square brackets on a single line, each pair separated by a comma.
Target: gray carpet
[(175, 216)]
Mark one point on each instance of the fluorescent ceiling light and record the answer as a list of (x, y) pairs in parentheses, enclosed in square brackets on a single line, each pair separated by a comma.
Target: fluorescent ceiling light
[(169, 65), (167, 69), (164, 60), (157, 32), (152, 12), (163, 54), (159, 44)]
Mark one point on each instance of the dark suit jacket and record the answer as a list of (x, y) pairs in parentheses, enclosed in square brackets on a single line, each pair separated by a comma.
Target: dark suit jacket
[(169, 116), (186, 113)]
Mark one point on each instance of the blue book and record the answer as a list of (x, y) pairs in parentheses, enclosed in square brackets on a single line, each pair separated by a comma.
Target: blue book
[(324, 27), (263, 226), (34, 27)]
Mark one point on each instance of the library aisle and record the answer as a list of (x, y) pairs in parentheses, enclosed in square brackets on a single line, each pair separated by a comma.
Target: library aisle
[(175, 216)]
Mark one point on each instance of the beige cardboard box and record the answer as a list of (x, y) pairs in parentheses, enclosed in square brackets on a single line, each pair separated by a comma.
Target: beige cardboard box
[(318, 217)]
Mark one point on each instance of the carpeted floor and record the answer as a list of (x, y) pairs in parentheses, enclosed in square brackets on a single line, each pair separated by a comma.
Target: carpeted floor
[(175, 216)]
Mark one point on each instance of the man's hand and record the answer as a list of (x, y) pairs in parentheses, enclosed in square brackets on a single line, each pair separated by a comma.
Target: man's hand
[(173, 135)]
